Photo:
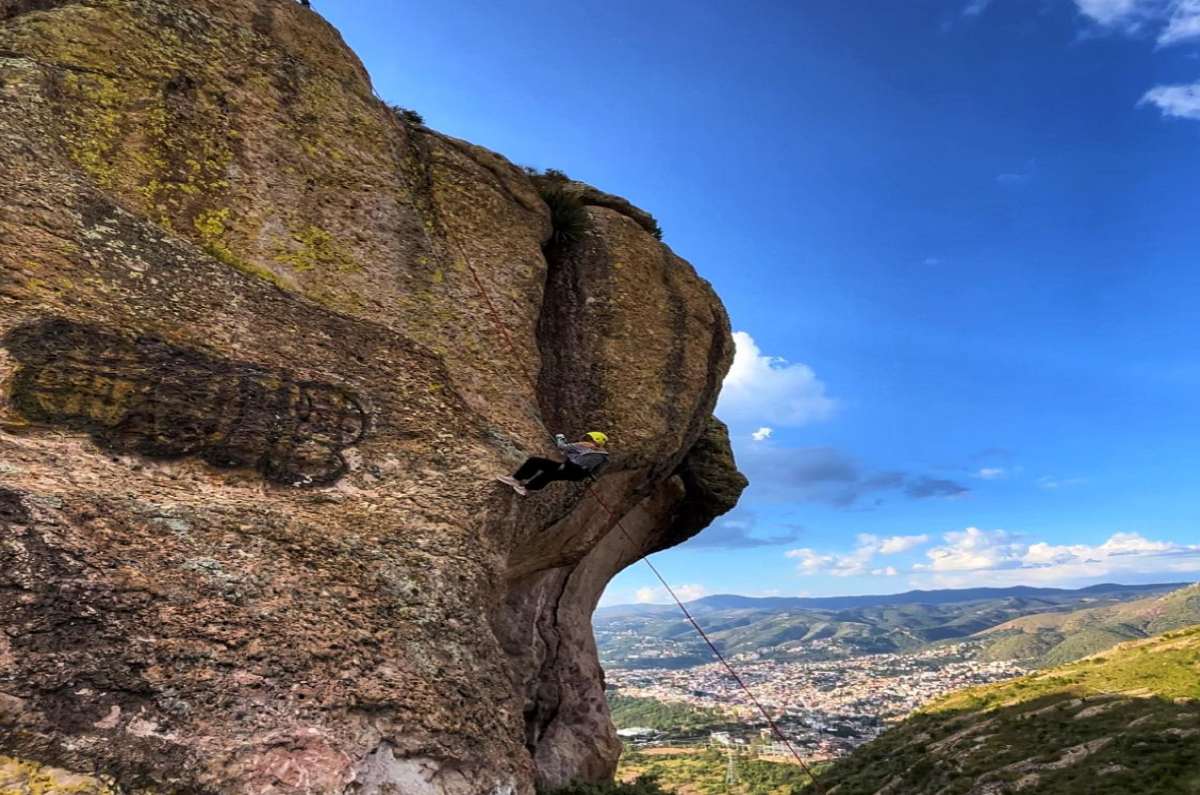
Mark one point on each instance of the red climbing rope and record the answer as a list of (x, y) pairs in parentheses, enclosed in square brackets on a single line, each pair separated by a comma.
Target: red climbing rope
[(498, 321)]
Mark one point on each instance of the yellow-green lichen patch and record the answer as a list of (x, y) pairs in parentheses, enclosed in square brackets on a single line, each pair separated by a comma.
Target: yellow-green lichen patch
[(93, 124), (211, 227), (20, 777), (313, 248)]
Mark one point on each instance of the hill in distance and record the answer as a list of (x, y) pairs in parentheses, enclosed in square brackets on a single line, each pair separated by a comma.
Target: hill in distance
[(1125, 721), (721, 602), (1050, 639), (641, 636)]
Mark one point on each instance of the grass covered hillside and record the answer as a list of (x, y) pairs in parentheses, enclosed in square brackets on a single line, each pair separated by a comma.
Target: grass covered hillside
[(1126, 721), (704, 772), (1050, 639)]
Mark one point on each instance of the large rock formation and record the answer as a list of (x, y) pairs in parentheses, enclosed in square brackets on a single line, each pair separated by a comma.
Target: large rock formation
[(252, 399)]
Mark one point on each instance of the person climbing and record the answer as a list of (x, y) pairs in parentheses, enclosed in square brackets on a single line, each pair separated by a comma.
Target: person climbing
[(584, 458)]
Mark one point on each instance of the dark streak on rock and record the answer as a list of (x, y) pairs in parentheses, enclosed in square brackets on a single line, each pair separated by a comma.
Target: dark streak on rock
[(12, 510), (143, 395)]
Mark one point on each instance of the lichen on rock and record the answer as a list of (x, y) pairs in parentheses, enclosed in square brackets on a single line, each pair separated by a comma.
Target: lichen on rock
[(252, 402)]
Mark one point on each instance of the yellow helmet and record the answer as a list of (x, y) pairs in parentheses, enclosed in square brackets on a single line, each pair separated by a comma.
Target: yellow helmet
[(597, 437)]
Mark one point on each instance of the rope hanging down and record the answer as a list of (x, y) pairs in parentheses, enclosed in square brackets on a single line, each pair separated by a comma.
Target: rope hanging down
[(591, 490)]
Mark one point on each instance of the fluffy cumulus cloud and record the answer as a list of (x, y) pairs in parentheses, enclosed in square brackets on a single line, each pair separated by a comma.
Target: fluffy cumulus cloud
[(857, 561), (996, 557), (762, 434), (762, 389), (894, 545), (659, 595), (972, 550), (1180, 102)]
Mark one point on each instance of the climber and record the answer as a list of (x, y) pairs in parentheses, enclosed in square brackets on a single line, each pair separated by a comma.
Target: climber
[(584, 458)]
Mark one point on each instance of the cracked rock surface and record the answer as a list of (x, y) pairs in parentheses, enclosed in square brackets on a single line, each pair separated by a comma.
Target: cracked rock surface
[(252, 402)]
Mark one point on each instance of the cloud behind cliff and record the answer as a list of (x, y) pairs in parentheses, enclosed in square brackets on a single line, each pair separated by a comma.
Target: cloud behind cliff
[(762, 390)]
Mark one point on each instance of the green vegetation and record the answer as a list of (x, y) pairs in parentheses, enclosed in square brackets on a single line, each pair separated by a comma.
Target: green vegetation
[(629, 712), (643, 786), (1128, 721), (408, 115), (568, 216), (703, 772), (1057, 638)]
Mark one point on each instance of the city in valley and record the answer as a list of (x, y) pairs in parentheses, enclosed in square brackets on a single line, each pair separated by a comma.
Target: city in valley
[(824, 708)]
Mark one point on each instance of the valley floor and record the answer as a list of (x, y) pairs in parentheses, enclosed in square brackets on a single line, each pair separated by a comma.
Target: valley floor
[(826, 708)]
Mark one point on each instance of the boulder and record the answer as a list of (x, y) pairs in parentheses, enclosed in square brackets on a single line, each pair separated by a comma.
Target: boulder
[(264, 346)]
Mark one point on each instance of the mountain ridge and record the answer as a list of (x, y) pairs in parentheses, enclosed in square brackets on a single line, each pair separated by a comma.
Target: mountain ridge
[(916, 596), (1061, 637), (850, 627)]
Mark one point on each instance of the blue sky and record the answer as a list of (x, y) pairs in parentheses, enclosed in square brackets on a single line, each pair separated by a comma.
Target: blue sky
[(958, 241)]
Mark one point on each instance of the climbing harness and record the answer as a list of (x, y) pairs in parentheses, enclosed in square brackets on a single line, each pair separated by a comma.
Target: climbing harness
[(595, 494)]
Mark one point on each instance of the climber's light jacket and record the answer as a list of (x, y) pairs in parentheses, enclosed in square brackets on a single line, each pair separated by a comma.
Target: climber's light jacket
[(583, 455)]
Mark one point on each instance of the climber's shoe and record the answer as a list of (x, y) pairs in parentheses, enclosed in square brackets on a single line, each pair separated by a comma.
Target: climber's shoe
[(516, 484)]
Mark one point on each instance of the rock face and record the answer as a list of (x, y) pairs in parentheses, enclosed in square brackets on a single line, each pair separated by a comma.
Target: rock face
[(264, 344)]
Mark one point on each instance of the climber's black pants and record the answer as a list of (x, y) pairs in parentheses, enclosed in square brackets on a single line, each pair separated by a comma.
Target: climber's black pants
[(537, 472)]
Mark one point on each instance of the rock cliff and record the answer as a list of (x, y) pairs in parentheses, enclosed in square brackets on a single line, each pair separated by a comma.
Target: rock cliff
[(253, 394)]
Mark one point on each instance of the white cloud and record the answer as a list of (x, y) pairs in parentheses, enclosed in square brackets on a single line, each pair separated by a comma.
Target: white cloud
[(1133, 543), (1180, 102), (973, 550), (644, 595), (991, 473), (996, 557), (659, 595), (857, 561), (887, 571), (810, 561), (1183, 25), (897, 544), (1176, 21), (762, 433), (974, 8), (762, 388), (1115, 13)]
